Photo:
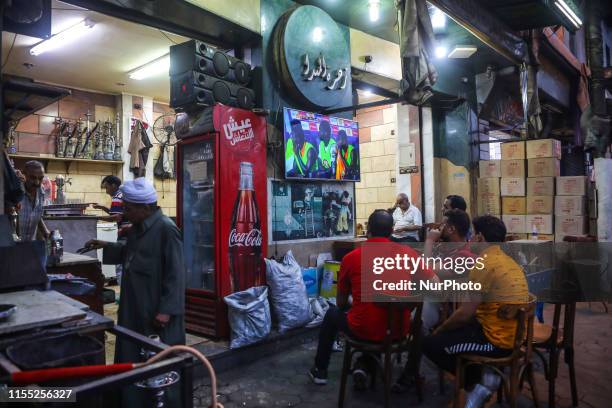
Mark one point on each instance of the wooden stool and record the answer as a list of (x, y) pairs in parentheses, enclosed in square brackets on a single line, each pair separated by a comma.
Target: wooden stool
[(552, 339), (392, 344), (519, 361)]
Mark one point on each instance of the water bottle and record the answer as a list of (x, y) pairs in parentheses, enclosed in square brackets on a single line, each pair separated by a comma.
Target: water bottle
[(534, 233)]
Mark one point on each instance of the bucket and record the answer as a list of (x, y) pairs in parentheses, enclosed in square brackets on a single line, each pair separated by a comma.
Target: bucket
[(329, 283)]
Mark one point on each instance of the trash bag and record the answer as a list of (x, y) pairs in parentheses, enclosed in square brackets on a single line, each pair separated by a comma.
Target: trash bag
[(249, 316), (288, 293), (319, 307)]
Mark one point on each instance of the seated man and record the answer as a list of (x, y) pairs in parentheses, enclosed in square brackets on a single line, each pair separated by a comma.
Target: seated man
[(366, 321), (449, 241), (475, 327)]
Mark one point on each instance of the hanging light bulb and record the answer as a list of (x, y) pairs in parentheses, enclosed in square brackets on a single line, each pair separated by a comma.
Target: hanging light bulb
[(374, 8)]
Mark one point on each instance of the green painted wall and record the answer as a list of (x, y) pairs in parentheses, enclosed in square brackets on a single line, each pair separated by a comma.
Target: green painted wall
[(273, 97)]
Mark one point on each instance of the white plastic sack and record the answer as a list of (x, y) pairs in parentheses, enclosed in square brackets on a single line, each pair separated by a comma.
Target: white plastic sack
[(288, 293), (249, 316), (319, 307)]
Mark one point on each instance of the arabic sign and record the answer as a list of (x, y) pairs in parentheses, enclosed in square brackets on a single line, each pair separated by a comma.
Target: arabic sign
[(312, 57)]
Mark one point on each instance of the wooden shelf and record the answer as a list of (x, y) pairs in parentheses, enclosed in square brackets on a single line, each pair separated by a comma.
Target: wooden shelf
[(67, 160)]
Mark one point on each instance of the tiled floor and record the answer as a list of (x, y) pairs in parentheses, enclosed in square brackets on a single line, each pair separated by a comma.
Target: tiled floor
[(281, 380)]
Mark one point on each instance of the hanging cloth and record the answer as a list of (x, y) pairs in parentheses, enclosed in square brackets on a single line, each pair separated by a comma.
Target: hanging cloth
[(139, 149), (417, 42)]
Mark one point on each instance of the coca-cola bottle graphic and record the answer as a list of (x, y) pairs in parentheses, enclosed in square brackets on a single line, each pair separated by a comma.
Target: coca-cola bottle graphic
[(245, 239)]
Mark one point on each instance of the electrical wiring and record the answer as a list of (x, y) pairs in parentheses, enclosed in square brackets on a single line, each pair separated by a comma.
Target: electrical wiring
[(8, 55)]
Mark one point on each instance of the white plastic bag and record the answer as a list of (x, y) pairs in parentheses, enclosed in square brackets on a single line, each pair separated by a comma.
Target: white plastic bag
[(249, 316), (288, 293)]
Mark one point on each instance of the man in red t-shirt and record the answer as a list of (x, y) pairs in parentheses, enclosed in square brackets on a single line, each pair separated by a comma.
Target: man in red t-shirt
[(364, 320)]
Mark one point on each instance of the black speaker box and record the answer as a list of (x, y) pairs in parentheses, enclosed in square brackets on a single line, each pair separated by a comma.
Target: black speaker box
[(195, 88), (196, 55)]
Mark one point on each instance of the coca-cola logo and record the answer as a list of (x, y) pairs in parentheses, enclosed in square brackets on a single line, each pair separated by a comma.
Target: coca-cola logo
[(253, 238), (238, 132)]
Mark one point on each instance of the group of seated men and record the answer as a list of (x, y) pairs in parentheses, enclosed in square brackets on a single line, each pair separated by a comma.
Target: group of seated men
[(473, 326)]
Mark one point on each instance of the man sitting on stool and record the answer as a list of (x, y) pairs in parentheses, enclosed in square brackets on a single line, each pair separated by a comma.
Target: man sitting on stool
[(475, 327), (366, 321)]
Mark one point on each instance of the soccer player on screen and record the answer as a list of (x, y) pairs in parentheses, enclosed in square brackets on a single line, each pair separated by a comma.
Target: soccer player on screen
[(303, 153), (346, 161), (327, 151)]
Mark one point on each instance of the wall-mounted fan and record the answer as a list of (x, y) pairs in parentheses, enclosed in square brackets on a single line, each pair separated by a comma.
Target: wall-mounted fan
[(163, 131)]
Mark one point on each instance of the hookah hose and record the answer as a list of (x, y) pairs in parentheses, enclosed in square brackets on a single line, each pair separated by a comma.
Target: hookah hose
[(43, 375)]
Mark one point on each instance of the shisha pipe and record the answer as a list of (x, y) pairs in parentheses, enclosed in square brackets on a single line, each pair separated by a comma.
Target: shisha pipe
[(37, 376)]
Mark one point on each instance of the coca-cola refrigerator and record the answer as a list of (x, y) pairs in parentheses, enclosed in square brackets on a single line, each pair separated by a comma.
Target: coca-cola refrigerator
[(222, 213)]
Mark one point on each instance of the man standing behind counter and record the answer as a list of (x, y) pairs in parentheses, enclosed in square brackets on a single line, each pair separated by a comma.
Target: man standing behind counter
[(153, 287), (30, 221)]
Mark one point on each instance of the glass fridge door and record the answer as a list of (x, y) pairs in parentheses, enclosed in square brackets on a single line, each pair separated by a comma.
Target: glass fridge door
[(198, 216)]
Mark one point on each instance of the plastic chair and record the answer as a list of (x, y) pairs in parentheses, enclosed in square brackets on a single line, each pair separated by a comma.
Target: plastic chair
[(392, 344), (519, 361)]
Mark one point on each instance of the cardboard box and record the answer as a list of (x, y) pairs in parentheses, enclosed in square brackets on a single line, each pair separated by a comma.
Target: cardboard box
[(543, 222), (488, 186), (539, 204), (571, 186), (515, 224), (570, 205), (489, 205), (513, 187), (543, 167), (513, 205), (540, 186), (543, 148), (513, 168), (489, 168), (569, 225), (513, 150)]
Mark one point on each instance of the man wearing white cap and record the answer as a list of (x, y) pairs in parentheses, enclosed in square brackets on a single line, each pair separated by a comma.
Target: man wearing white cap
[(152, 299)]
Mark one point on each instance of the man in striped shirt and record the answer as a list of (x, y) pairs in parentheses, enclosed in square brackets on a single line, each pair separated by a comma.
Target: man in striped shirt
[(31, 225)]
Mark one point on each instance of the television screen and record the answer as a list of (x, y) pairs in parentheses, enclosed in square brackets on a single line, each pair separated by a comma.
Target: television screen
[(320, 147)]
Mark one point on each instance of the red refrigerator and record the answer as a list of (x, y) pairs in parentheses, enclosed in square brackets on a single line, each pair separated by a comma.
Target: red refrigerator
[(222, 212)]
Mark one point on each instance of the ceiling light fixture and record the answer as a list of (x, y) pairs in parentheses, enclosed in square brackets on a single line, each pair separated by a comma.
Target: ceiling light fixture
[(441, 52), (367, 93), (438, 18), (569, 13), (462, 51), (151, 68), (374, 9), (62, 38)]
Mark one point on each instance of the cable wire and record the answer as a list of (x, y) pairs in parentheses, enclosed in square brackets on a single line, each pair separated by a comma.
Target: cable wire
[(8, 55)]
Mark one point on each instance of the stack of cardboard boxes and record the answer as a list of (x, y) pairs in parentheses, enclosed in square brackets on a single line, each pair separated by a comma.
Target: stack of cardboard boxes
[(571, 217), (543, 166), (526, 176)]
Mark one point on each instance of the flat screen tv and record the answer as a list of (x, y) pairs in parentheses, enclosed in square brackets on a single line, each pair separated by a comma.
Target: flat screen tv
[(320, 147)]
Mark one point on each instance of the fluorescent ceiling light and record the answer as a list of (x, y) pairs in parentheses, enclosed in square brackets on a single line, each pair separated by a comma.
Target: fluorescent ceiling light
[(374, 9), (566, 14), (152, 68), (462, 51), (63, 37), (574, 18), (438, 18), (441, 52), (367, 93)]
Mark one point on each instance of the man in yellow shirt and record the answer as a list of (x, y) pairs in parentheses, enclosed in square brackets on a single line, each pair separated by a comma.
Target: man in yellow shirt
[(475, 327)]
